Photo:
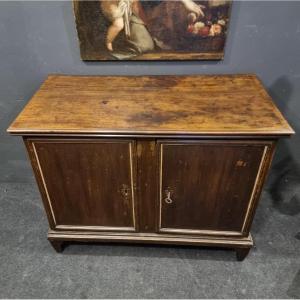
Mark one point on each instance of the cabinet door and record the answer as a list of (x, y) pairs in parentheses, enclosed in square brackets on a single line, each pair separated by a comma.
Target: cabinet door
[(86, 184), (208, 187)]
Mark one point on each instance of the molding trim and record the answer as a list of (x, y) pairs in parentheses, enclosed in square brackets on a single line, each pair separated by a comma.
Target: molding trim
[(230, 242), (200, 232), (94, 228)]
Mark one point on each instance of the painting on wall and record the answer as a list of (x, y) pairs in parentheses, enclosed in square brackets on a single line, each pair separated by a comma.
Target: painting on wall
[(152, 29)]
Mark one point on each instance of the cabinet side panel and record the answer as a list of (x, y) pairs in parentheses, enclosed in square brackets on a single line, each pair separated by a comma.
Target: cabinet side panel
[(266, 164), (147, 185), (40, 183)]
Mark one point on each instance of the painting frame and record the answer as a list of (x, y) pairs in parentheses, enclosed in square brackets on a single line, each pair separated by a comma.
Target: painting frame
[(162, 55)]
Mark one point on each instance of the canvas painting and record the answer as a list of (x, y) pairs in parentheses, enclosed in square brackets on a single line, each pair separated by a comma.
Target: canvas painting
[(152, 29)]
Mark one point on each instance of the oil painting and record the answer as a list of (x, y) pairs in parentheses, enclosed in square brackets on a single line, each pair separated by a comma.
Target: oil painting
[(152, 29)]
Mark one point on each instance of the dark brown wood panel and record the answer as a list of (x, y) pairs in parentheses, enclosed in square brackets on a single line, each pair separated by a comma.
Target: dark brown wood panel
[(203, 105), (147, 184), (88, 182), (208, 185)]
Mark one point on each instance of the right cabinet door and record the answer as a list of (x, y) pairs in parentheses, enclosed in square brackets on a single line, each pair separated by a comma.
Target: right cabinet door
[(210, 187)]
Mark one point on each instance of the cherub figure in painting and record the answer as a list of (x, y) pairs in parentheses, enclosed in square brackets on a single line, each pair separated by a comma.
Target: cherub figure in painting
[(118, 12)]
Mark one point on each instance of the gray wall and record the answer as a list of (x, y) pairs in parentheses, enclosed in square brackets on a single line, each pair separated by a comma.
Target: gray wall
[(38, 38)]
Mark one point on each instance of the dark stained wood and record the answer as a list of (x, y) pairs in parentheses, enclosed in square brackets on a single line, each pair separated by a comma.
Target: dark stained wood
[(147, 184), (241, 253), (88, 182), (39, 180), (260, 183), (203, 105), (134, 237), (57, 245), (210, 184), (159, 159)]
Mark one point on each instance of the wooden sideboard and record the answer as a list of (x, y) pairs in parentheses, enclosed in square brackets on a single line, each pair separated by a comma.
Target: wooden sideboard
[(151, 159)]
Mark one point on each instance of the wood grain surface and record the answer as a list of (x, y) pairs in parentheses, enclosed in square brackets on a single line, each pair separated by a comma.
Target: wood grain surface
[(210, 184), (88, 183), (204, 105)]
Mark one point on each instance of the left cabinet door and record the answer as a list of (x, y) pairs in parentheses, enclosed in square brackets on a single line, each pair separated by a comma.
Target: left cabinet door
[(86, 184)]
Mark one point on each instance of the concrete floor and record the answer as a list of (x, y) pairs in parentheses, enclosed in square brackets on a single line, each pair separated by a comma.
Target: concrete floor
[(30, 268)]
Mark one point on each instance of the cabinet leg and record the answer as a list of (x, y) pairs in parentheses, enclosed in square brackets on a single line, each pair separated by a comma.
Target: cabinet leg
[(57, 245), (241, 253)]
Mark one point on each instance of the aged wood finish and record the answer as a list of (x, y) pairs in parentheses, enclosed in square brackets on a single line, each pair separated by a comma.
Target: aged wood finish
[(166, 159), (147, 184), (202, 105), (210, 185), (149, 238), (89, 184)]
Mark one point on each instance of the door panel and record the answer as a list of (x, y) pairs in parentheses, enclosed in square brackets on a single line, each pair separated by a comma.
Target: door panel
[(89, 183), (207, 186)]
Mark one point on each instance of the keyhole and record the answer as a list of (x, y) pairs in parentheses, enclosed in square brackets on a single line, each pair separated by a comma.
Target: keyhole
[(125, 190)]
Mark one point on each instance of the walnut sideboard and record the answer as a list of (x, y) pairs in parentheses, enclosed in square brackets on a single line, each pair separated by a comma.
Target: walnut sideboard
[(151, 159)]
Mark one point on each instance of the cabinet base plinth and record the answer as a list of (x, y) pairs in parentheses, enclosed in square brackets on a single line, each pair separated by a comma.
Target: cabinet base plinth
[(242, 245)]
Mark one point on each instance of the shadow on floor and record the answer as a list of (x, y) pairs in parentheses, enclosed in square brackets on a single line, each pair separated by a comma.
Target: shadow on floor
[(285, 190), (285, 174), (294, 289)]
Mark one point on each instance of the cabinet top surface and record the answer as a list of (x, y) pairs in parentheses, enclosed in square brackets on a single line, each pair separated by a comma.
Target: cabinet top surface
[(204, 105)]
